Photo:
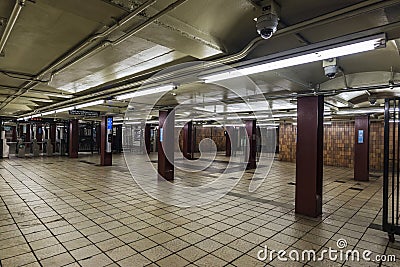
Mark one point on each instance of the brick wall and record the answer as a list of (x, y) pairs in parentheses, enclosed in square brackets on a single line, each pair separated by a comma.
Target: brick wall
[(338, 144)]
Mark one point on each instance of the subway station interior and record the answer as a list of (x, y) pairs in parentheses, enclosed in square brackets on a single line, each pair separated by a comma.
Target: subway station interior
[(199, 133)]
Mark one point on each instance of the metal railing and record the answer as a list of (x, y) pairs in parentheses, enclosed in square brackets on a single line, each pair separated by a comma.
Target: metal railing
[(391, 174)]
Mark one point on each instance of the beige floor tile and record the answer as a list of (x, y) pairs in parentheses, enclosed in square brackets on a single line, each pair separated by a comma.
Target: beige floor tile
[(85, 252), (173, 260), (156, 253), (192, 253), (58, 260), (120, 253)]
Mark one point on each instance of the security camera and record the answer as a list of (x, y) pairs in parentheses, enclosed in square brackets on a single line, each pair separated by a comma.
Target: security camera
[(267, 23), (330, 67), (372, 100)]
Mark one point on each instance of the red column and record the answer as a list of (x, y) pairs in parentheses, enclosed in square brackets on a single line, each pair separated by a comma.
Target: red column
[(73, 138), (228, 141), (52, 135), (147, 135), (106, 141), (309, 155), (14, 133), (28, 135), (251, 135), (39, 135), (361, 148), (188, 140), (166, 144)]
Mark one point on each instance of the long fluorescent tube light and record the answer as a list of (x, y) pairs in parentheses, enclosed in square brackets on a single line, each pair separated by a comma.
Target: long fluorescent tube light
[(344, 50), (59, 95), (144, 92), (360, 111), (41, 100), (94, 103), (36, 115), (48, 113), (63, 109)]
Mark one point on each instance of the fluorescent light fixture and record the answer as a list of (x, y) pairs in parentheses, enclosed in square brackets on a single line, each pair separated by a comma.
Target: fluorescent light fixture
[(58, 95), (284, 115), (64, 109), (42, 100), (360, 111), (151, 122), (48, 113), (268, 124), (36, 115), (211, 126), (344, 50), (148, 91), (90, 104), (328, 123), (27, 118), (20, 119), (201, 119)]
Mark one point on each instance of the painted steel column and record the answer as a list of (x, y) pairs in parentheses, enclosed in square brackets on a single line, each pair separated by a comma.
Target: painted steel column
[(118, 138), (28, 135), (166, 144), (309, 155), (52, 135), (14, 133), (361, 148), (73, 138), (1, 140), (228, 141), (147, 137), (188, 140), (251, 128), (39, 135), (106, 136)]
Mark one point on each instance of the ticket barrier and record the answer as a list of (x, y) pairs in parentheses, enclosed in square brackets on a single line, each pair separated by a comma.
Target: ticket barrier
[(49, 148), (20, 148), (6, 148), (35, 148)]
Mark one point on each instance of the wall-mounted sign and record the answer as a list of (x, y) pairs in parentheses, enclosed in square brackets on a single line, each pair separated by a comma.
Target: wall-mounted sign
[(161, 134), (109, 123), (84, 113), (360, 136)]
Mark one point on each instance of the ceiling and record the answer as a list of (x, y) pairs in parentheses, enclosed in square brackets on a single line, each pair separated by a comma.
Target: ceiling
[(63, 53)]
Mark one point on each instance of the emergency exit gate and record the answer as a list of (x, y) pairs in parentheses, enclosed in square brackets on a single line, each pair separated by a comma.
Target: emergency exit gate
[(391, 172)]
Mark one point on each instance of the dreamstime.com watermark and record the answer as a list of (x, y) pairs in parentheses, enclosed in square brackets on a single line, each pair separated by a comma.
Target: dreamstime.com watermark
[(339, 254)]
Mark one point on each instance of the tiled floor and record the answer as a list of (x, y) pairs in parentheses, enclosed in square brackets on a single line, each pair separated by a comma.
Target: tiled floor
[(60, 211)]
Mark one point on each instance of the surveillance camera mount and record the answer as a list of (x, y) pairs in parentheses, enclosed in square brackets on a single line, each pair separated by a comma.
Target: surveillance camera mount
[(267, 22)]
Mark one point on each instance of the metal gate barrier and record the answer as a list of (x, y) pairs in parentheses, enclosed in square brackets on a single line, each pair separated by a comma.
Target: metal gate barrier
[(391, 171)]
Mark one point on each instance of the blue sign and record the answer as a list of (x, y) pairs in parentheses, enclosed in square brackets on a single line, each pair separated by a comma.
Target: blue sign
[(361, 136), (109, 123), (161, 134)]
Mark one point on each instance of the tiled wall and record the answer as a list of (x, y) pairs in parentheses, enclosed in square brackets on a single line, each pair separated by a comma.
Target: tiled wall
[(287, 142), (338, 144), (217, 134), (376, 137)]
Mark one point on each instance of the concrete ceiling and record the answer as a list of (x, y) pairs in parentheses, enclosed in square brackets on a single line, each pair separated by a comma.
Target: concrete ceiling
[(47, 31)]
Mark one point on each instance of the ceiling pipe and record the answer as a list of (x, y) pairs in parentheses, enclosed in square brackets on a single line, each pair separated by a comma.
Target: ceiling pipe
[(124, 37), (75, 51), (354, 10), (19, 4)]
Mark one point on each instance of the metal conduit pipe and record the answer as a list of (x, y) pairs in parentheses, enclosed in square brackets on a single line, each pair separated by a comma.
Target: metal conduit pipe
[(10, 23), (353, 10), (129, 34), (104, 34), (58, 62)]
